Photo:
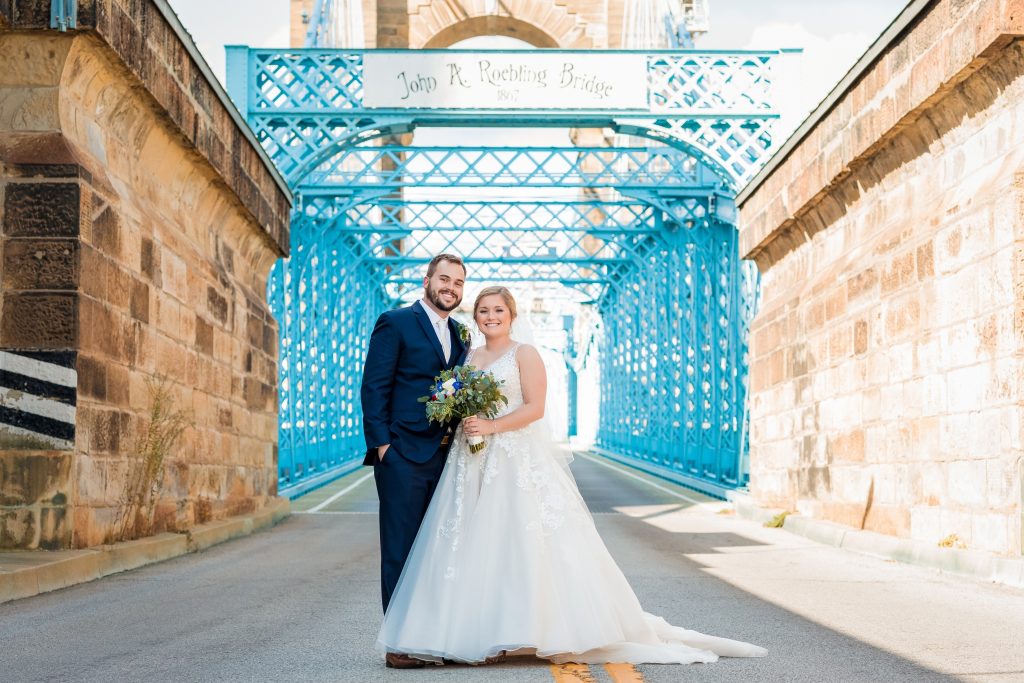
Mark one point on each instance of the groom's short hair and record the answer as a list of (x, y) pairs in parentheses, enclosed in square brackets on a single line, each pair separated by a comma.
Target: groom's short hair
[(450, 258)]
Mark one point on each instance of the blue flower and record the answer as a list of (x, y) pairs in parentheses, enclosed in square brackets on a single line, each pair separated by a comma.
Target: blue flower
[(458, 385)]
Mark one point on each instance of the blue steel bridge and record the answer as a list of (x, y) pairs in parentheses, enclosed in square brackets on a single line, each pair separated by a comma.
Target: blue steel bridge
[(638, 222)]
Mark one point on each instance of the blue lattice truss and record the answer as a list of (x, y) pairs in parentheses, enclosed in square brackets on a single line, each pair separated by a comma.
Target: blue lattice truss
[(645, 231)]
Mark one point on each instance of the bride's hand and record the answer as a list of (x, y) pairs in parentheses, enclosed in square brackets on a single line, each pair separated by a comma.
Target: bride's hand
[(476, 426)]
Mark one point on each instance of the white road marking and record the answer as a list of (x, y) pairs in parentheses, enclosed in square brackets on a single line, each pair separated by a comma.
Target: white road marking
[(317, 509), (639, 478), (336, 512), (339, 494)]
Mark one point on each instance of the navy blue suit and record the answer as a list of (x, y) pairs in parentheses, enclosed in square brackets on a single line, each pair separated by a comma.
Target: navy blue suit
[(403, 358)]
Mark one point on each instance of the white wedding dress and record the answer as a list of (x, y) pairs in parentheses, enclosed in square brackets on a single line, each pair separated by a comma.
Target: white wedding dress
[(508, 559)]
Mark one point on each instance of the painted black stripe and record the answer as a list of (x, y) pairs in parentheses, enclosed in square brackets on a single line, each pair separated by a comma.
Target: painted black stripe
[(37, 423), (64, 359), (38, 387)]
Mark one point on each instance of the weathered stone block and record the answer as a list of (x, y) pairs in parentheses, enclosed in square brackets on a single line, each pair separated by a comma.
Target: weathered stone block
[(139, 304), (54, 527), (888, 519), (28, 478), (150, 261), (860, 337), (118, 385), (106, 232), (175, 275), (40, 264), (899, 272), (925, 261), (19, 527), (40, 527), (33, 63), (848, 446), (42, 210), (106, 430), (39, 321), (862, 283), (902, 317), (92, 377), (29, 109), (967, 482), (204, 336), (990, 532)]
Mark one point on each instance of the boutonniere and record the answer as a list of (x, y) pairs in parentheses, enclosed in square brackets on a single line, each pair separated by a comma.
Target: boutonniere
[(464, 334)]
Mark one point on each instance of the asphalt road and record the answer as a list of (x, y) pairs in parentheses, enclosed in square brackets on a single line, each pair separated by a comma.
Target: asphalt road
[(301, 603)]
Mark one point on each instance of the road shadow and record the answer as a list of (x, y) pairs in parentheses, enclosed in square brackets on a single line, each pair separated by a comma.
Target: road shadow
[(685, 591)]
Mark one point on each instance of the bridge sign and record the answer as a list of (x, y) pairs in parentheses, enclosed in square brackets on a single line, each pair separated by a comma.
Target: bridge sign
[(504, 80)]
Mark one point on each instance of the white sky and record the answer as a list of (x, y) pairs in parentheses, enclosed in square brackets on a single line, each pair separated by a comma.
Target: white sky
[(832, 33)]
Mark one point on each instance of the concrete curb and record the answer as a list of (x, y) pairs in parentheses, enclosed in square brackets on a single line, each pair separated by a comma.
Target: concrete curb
[(972, 563), (44, 571)]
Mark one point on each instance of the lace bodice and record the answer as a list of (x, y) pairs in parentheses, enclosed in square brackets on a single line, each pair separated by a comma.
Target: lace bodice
[(505, 369), (518, 461)]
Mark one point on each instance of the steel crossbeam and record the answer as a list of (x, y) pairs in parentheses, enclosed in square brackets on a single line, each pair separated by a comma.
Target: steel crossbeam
[(545, 167), (399, 236), (306, 104), (732, 146), (645, 232), (397, 216)]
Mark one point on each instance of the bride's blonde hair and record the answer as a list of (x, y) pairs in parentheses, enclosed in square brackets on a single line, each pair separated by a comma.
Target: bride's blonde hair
[(503, 292)]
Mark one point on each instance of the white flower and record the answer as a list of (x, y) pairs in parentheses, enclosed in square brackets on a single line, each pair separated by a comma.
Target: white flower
[(449, 387)]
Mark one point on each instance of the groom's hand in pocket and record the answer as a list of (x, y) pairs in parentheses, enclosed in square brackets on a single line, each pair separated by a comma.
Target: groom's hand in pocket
[(381, 450)]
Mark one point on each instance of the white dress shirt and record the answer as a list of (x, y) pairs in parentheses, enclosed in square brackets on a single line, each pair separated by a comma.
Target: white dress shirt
[(441, 328)]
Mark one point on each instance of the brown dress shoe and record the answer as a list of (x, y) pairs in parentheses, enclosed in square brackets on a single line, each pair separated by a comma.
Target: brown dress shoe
[(396, 660), (496, 659)]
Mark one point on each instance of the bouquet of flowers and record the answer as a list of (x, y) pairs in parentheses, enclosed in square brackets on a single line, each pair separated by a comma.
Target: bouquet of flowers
[(461, 392)]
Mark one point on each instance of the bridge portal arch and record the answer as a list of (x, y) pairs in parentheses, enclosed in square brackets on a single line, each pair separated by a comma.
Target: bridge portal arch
[(647, 235), (493, 25)]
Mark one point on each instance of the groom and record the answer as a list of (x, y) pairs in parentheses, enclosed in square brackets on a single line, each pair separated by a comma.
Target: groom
[(408, 348)]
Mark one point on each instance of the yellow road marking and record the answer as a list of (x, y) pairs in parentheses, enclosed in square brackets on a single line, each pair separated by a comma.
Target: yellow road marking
[(572, 673), (624, 673)]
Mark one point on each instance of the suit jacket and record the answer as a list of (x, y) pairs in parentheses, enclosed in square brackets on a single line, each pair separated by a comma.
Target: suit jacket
[(403, 358)]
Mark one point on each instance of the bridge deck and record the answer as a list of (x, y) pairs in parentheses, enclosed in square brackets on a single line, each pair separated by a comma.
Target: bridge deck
[(301, 603)]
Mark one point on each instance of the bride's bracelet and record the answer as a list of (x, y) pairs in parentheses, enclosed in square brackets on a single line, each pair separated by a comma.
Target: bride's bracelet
[(494, 427)]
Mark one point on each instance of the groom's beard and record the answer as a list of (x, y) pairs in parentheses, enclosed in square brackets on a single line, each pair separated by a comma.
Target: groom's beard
[(434, 296)]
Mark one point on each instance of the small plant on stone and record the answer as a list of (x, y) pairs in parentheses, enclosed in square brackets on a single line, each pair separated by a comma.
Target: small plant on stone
[(146, 474), (778, 520), (952, 541)]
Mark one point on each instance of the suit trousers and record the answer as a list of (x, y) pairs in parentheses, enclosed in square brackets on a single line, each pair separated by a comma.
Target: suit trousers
[(404, 489)]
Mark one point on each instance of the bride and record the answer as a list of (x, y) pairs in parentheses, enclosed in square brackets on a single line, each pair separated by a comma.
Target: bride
[(507, 559)]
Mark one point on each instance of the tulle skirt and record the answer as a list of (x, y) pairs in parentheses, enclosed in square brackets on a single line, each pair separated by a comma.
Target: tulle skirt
[(508, 559)]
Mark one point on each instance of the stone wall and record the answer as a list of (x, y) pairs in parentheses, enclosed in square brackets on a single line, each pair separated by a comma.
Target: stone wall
[(139, 223), (888, 354), (300, 11), (580, 24)]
